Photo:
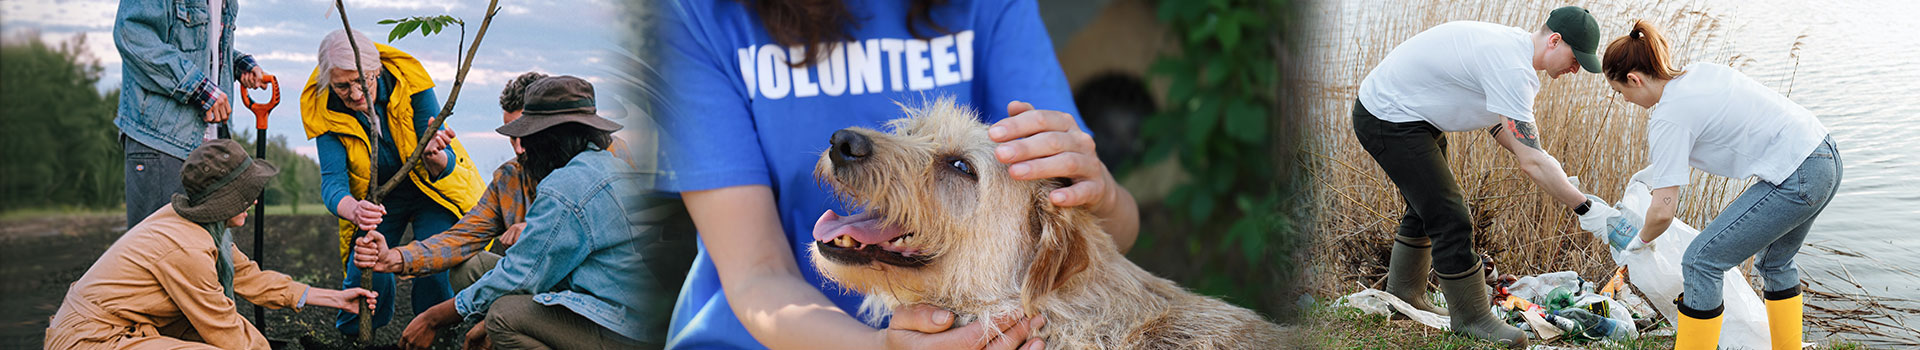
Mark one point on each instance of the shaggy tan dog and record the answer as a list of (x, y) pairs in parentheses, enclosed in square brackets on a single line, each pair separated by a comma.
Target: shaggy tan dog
[(943, 224)]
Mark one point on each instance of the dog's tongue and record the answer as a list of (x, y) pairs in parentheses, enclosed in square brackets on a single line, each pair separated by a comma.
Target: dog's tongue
[(864, 227)]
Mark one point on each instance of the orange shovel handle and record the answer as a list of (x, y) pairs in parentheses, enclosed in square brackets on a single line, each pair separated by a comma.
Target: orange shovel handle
[(260, 110)]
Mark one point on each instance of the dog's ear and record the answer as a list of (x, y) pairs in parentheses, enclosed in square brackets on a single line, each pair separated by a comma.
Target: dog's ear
[(1062, 249)]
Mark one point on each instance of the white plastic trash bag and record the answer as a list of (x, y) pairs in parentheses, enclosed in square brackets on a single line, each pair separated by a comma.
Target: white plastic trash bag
[(1657, 273), (1378, 302)]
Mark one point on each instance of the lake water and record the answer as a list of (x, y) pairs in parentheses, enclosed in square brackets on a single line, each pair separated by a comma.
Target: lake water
[(1852, 62), (1862, 87)]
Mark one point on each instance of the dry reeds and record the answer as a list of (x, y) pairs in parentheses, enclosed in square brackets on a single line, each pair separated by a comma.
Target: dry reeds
[(1595, 135)]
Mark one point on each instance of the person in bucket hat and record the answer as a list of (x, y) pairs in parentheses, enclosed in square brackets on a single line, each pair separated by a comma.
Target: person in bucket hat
[(577, 232), (170, 281), (1461, 76)]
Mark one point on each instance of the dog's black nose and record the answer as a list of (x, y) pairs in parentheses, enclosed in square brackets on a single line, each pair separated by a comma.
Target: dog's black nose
[(850, 147)]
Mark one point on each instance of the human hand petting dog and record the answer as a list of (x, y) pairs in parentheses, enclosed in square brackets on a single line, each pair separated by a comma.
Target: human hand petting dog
[(1040, 144), (924, 326)]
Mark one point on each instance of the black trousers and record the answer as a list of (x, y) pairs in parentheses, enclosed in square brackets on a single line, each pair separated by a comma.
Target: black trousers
[(1414, 156)]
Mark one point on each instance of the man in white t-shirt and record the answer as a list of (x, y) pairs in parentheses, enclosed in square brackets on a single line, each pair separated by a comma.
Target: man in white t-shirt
[(1462, 76)]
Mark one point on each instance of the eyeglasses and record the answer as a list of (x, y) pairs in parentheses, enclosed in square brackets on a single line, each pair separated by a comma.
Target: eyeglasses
[(342, 87)]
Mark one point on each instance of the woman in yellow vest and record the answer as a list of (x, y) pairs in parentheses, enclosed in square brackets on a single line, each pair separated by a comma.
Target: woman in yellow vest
[(445, 185)]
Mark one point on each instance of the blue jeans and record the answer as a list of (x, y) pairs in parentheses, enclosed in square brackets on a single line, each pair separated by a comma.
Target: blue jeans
[(427, 219), (1768, 219), (152, 179)]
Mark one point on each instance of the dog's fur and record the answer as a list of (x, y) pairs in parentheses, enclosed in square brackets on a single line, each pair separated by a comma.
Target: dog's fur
[(995, 246)]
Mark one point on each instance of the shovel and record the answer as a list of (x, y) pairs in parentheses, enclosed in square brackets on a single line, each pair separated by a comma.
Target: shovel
[(260, 111)]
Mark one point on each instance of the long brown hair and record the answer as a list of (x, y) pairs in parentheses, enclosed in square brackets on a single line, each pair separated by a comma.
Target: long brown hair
[(817, 25), (1642, 50)]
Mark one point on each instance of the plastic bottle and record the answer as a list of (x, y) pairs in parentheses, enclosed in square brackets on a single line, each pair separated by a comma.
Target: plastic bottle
[(1559, 298), (1623, 229), (1597, 327), (1569, 327)]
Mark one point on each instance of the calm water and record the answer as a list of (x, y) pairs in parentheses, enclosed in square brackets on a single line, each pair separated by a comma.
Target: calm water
[(1848, 61), (1862, 87)]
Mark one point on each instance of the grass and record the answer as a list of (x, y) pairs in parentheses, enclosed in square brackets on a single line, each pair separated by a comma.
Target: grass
[(29, 213), (19, 214)]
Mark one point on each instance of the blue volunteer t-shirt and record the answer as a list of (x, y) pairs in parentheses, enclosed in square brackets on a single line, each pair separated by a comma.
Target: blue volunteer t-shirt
[(736, 114)]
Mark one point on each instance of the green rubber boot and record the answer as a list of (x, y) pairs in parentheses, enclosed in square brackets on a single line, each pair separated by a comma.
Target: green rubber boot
[(1407, 272), (1472, 316)]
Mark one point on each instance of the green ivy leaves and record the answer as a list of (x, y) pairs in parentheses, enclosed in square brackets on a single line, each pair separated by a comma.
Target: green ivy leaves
[(1222, 87)]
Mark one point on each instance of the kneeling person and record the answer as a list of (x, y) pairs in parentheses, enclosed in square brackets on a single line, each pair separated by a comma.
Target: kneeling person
[(568, 283), (170, 281)]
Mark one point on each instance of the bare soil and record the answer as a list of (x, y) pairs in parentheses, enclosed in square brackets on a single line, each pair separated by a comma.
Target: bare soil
[(40, 257)]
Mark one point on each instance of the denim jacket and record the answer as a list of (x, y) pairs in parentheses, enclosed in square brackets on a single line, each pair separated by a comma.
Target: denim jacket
[(165, 87), (579, 250)]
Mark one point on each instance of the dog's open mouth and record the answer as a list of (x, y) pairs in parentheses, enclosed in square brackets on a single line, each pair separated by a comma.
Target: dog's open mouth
[(863, 238)]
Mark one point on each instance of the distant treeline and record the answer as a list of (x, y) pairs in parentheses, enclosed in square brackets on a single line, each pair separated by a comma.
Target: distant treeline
[(58, 145)]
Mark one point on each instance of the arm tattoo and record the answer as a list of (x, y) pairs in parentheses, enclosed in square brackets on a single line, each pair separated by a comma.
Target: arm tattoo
[(1523, 131)]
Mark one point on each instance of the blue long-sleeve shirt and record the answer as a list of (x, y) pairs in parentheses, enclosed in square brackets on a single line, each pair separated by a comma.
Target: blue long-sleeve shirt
[(333, 155)]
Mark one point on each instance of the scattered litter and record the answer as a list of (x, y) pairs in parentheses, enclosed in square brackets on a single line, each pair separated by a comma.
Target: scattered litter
[(1379, 302), (1656, 272)]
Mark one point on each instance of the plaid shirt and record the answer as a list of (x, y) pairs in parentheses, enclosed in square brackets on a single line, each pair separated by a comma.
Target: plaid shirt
[(502, 206)]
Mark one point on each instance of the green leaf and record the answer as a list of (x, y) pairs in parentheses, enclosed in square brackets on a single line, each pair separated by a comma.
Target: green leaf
[(1216, 71), (1201, 122), (1205, 29), (389, 21), (1180, 196), (1179, 94), (1246, 121), (1222, 178), (1229, 31), (1202, 205), (401, 31), (1253, 235), (1181, 11)]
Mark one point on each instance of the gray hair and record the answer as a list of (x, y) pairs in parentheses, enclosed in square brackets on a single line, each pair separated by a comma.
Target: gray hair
[(335, 52)]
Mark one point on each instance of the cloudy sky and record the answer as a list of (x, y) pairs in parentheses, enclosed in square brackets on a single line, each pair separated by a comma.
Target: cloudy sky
[(573, 37)]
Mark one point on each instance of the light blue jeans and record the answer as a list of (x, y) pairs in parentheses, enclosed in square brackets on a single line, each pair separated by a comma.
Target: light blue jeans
[(1767, 219)]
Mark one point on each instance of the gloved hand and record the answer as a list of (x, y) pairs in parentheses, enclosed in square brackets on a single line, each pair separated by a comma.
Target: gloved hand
[(1598, 214), (1637, 246)]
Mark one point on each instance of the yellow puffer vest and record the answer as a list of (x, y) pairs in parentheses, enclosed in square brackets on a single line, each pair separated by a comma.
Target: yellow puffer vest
[(457, 192)]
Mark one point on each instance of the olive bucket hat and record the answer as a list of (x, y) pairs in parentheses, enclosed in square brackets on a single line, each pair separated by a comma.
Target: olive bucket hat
[(220, 181), (554, 101)]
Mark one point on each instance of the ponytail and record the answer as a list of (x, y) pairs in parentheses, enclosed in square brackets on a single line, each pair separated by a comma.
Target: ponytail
[(1642, 50)]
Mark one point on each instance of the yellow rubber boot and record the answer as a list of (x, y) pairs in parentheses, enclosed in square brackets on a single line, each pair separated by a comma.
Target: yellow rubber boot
[(1699, 330), (1784, 312)]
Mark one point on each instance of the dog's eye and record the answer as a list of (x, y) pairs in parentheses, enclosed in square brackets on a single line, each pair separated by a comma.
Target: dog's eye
[(961, 165)]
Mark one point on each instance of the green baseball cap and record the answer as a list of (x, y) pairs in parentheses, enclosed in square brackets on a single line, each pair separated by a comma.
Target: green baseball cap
[(1577, 29)]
